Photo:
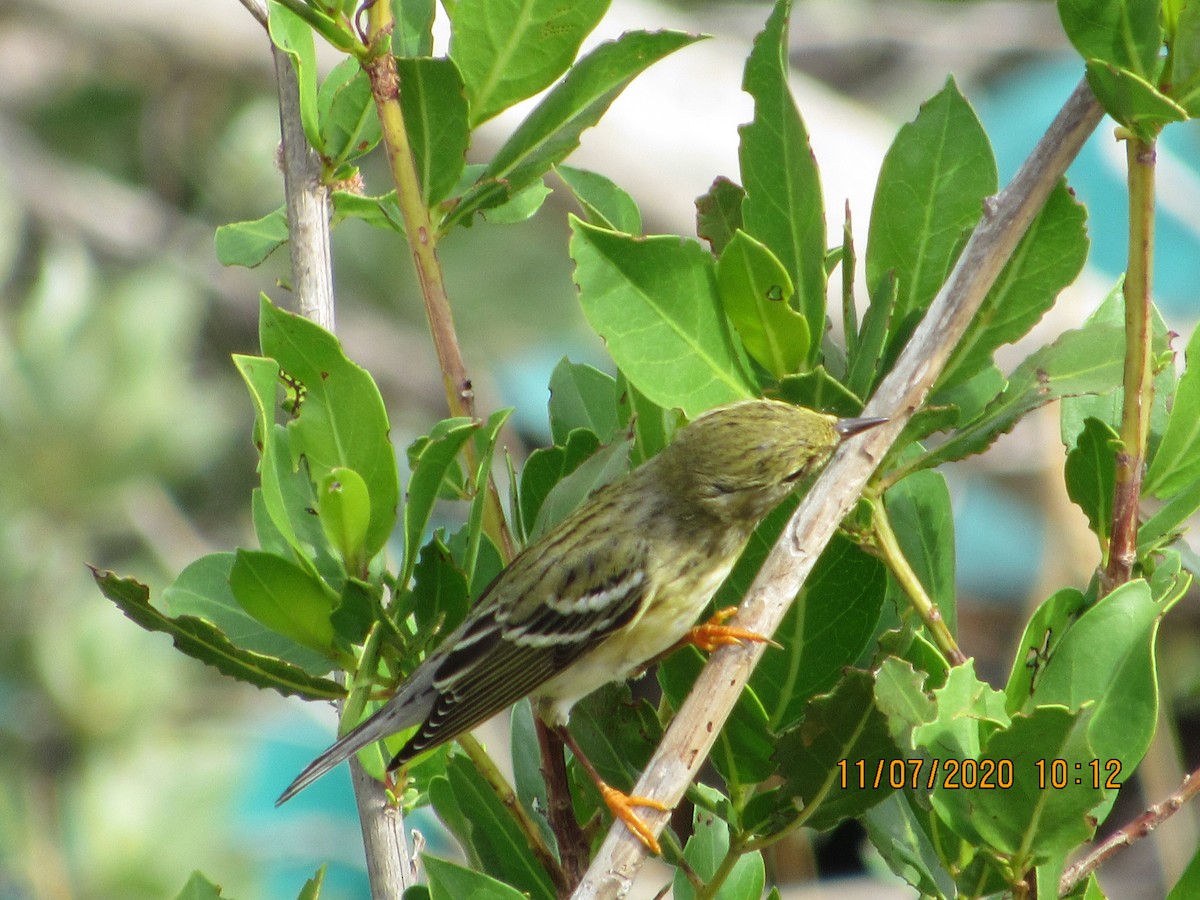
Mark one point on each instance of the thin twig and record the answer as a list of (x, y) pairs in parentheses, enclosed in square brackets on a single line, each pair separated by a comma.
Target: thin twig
[(691, 735), (1139, 376), (1130, 834)]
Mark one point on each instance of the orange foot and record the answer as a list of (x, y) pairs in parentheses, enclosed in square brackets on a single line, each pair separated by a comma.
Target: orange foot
[(713, 634), (621, 806)]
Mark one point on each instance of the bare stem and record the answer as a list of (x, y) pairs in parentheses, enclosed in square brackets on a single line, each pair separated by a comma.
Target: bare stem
[(1139, 377), (422, 235), (693, 731), (1130, 834), (918, 597)]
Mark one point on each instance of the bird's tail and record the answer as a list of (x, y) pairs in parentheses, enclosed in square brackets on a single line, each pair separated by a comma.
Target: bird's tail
[(397, 714)]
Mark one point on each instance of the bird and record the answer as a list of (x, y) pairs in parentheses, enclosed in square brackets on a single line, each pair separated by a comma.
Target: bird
[(612, 587)]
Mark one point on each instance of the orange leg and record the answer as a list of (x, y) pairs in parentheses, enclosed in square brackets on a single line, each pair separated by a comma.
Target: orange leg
[(714, 633), (619, 803)]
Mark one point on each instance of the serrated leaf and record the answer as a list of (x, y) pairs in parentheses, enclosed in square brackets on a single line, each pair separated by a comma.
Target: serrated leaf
[(754, 288), (783, 207), (202, 591), (929, 197), (249, 243), (548, 134), (654, 301), (200, 640)]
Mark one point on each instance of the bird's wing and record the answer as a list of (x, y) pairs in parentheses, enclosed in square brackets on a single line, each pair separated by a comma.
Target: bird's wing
[(509, 649)]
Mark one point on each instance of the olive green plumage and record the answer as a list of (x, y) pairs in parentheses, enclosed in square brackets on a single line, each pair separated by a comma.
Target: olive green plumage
[(613, 585)]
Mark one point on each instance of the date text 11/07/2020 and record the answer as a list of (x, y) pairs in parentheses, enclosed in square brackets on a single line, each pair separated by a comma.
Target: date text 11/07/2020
[(970, 774)]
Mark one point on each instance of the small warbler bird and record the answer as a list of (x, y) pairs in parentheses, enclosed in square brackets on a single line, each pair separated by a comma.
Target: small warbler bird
[(613, 586)]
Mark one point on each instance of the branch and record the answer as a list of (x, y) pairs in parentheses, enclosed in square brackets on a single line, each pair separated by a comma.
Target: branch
[(389, 866), (1139, 828), (698, 723)]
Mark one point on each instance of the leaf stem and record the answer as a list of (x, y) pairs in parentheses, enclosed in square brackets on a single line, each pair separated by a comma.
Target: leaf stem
[(380, 67), (918, 597), (1139, 376)]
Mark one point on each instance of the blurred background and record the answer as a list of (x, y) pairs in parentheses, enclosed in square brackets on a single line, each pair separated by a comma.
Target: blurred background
[(130, 130)]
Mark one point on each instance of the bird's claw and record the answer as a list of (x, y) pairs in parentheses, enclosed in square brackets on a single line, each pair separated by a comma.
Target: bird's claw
[(714, 633), (621, 806)]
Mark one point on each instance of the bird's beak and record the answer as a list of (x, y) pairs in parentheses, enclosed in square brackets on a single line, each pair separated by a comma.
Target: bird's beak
[(849, 427)]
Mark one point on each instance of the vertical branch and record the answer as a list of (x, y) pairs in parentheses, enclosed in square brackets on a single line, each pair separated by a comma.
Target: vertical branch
[(389, 866), (1138, 380)]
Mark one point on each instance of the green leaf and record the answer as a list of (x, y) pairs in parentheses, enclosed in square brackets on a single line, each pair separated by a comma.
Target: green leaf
[(435, 115), (605, 204), (866, 366), (817, 389), (654, 301), (249, 243), (1042, 634), (528, 781), (312, 887), (546, 467), (921, 517), (284, 597), (522, 205), (582, 397), (1031, 822), (340, 419), (900, 695), (1176, 465), (344, 508), (1125, 33), (294, 36), (548, 134), (485, 441), (1090, 475), (1106, 658), (719, 213), (839, 730), (508, 50), (900, 830), (705, 852), (1188, 884), (754, 288), (968, 711), (617, 733), (826, 629), (448, 881), (379, 212), (603, 467), (1184, 57), (349, 124), (1087, 360), (783, 206), (413, 34), (202, 591), (200, 640), (650, 425), (928, 199), (1131, 100), (489, 834), (440, 594), (1048, 258), (199, 888), (430, 459)]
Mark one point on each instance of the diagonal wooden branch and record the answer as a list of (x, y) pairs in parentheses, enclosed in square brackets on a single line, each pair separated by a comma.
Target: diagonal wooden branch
[(692, 733)]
